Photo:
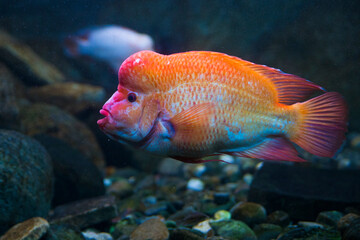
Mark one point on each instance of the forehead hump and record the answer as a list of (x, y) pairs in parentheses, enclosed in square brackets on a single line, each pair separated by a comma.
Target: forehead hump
[(140, 72)]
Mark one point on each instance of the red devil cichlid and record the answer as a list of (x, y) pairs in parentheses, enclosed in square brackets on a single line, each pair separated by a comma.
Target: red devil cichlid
[(196, 104)]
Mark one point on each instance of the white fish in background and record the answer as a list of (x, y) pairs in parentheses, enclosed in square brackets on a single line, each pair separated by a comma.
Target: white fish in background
[(111, 44)]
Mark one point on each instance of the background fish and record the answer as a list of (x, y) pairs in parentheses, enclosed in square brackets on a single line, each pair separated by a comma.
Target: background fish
[(111, 44), (196, 104)]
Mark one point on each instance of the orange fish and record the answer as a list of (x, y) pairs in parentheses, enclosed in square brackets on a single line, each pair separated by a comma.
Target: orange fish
[(196, 104)]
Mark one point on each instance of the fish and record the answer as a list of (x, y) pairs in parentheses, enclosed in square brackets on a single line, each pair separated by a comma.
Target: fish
[(111, 44), (198, 104)]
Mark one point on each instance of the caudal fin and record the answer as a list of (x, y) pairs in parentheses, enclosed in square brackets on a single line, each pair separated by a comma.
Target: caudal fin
[(322, 124)]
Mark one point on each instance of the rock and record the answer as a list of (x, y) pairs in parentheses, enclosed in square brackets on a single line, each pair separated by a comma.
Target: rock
[(63, 232), (123, 228), (353, 231), (308, 225), (345, 221), (233, 230), (221, 197), (195, 184), (194, 170), (249, 212), (153, 229), (10, 92), (69, 96), (183, 233), (309, 233), (355, 141), (248, 178), (188, 217), (76, 177), (26, 63), (222, 215), (280, 218), (47, 119), (85, 213), (26, 179), (267, 231), (97, 236), (329, 218), (31, 229), (120, 188), (310, 189), (205, 228)]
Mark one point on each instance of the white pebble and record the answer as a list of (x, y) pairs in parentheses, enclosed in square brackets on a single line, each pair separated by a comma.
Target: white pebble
[(195, 184), (203, 227)]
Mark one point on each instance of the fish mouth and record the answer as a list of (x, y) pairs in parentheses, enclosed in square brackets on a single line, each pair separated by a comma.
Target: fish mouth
[(142, 143), (145, 141), (102, 122)]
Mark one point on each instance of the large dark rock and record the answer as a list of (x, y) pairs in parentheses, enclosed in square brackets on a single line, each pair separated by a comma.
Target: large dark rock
[(26, 179), (76, 177), (85, 213), (302, 191), (48, 119)]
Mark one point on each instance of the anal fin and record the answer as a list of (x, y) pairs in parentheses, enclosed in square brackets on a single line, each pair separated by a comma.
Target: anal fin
[(275, 149)]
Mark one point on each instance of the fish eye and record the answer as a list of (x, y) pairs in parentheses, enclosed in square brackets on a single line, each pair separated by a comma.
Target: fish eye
[(131, 97)]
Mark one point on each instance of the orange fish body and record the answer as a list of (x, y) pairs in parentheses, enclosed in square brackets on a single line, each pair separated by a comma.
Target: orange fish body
[(196, 104)]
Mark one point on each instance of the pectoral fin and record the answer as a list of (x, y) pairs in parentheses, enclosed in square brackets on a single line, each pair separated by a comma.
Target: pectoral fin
[(192, 124)]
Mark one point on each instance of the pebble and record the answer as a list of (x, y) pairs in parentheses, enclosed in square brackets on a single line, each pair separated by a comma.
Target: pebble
[(230, 170), (63, 232), (266, 231), (346, 220), (248, 178), (195, 184), (123, 228), (249, 212), (185, 234), (31, 229), (120, 188), (188, 217), (353, 231), (222, 215), (194, 170), (279, 217), (308, 224), (88, 235), (233, 230), (86, 212), (329, 218), (204, 227), (153, 229), (355, 140)]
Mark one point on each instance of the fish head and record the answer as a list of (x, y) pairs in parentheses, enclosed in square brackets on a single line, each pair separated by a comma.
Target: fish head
[(132, 111)]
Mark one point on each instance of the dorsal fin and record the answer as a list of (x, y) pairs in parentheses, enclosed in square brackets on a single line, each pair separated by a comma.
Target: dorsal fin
[(290, 88)]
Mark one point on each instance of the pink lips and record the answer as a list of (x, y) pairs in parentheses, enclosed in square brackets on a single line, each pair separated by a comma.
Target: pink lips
[(102, 122)]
